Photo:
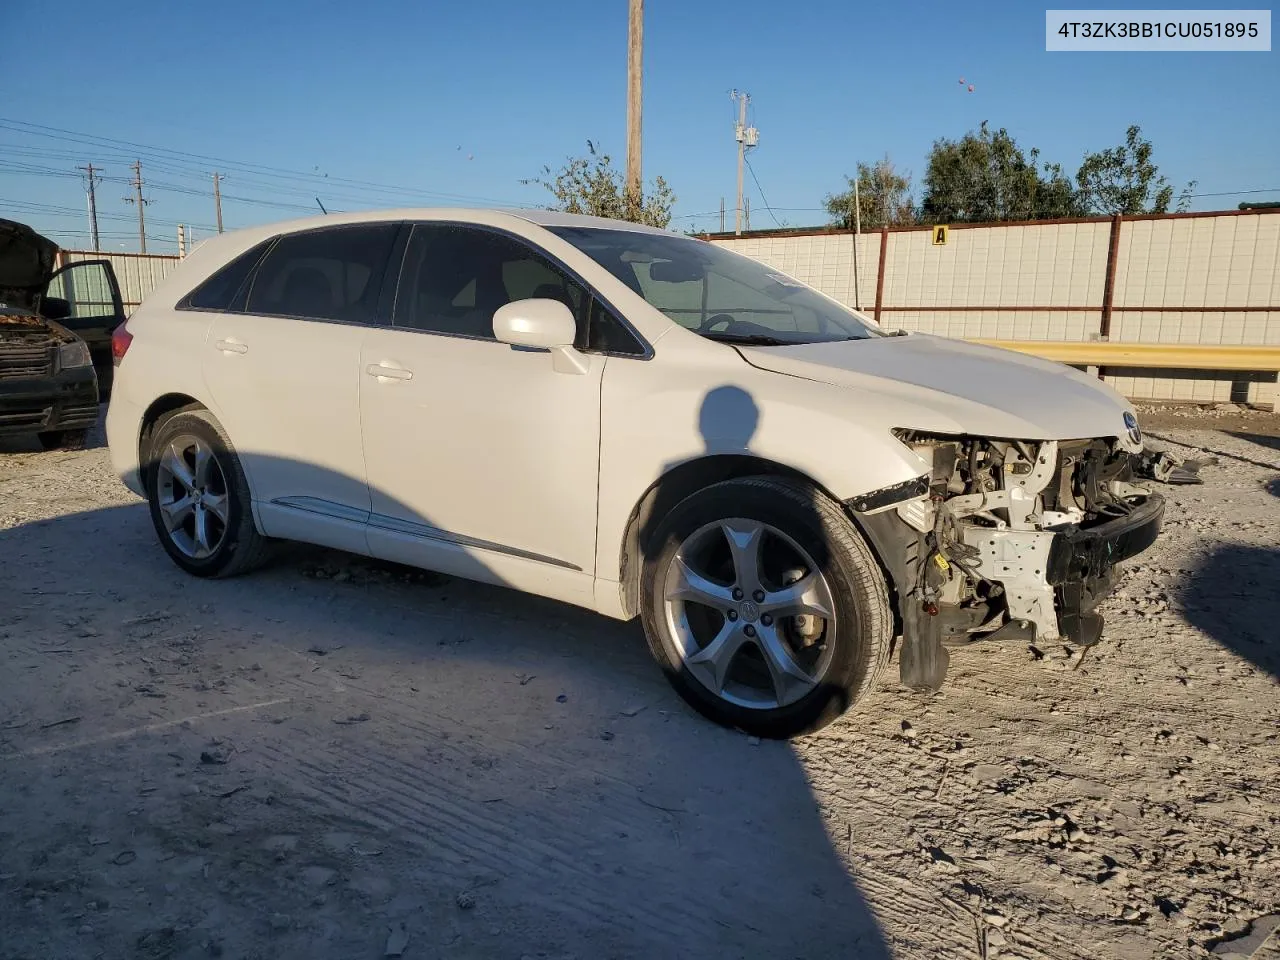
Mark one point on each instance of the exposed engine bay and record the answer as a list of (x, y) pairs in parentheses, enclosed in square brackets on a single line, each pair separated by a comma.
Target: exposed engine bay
[(1011, 540)]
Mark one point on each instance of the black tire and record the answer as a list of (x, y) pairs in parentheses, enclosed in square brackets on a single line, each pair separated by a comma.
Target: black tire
[(242, 548), (64, 439), (864, 622)]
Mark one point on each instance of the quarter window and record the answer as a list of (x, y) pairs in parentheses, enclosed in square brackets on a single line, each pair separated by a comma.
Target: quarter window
[(224, 290), (330, 274)]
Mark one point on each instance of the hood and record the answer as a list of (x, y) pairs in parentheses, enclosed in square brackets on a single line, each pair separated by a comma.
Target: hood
[(939, 385), (26, 263)]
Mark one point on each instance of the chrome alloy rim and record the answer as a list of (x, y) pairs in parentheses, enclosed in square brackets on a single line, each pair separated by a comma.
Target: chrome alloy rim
[(750, 613), (192, 494)]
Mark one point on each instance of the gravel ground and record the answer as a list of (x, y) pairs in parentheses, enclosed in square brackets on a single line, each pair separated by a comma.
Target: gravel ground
[(332, 758)]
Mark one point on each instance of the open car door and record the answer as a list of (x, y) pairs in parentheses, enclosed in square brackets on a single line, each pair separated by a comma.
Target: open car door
[(84, 296)]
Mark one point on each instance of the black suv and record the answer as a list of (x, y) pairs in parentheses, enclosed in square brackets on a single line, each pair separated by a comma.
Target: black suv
[(55, 329)]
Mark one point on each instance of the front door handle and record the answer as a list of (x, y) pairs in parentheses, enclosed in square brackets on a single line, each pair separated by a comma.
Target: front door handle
[(232, 346), (384, 371)]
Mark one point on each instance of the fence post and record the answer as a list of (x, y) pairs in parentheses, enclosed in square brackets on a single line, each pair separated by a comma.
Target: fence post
[(884, 249), (1109, 285)]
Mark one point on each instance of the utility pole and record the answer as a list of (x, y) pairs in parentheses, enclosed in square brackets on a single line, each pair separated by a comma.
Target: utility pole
[(182, 240), (746, 214), (137, 198), (93, 203), (747, 137), (635, 83), (722, 214), (217, 198)]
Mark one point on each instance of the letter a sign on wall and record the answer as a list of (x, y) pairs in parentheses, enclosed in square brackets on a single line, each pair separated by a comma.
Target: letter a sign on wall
[(940, 235)]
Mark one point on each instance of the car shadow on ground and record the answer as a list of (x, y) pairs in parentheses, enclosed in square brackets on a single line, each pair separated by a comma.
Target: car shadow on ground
[(1243, 617), (480, 739)]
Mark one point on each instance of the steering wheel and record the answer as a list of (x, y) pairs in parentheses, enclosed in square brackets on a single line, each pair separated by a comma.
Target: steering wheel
[(709, 325)]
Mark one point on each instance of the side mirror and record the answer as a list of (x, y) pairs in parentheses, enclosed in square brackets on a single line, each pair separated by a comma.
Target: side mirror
[(541, 324), (55, 308)]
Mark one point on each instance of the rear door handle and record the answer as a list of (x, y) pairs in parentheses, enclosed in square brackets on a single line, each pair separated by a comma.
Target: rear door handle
[(232, 346), (384, 371)]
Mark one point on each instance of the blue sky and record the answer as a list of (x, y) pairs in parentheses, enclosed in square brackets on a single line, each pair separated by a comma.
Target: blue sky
[(466, 99)]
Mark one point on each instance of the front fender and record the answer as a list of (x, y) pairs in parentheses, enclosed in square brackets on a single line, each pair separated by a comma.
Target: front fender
[(807, 427)]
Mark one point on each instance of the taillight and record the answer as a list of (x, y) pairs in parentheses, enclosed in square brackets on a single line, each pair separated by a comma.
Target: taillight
[(120, 340)]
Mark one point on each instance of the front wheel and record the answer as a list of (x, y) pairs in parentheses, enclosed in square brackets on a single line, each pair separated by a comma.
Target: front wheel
[(765, 606)]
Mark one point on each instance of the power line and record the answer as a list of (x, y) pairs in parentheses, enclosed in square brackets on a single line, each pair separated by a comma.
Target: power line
[(1235, 193), (762, 196), (171, 156)]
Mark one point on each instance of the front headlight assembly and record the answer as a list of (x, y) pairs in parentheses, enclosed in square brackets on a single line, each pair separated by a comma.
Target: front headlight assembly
[(73, 355)]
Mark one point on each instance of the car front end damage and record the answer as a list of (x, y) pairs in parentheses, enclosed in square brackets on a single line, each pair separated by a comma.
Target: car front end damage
[(47, 380), (1007, 540)]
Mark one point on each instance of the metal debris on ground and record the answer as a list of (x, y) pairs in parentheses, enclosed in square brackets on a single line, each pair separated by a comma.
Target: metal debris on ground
[(59, 723), (358, 718), (1163, 467), (397, 941), (1251, 944)]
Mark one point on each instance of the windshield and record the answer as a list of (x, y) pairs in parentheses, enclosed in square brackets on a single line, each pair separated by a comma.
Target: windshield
[(717, 293)]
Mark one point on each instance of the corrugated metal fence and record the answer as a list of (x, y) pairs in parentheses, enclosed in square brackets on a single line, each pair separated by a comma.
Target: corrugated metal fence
[(1175, 278), (138, 273)]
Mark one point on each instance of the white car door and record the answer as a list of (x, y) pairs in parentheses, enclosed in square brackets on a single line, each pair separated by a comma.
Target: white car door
[(283, 374), (482, 458)]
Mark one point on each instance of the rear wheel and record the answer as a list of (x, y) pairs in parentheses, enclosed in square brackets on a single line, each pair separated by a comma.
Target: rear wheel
[(765, 606), (64, 439), (200, 500)]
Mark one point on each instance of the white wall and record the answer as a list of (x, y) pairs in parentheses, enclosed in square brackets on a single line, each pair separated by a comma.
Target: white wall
[(1231, 260)]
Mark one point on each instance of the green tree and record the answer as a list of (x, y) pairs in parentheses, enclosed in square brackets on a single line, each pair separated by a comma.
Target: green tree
[(884, 198), (590, 185), (985, 177), (1125, 180)]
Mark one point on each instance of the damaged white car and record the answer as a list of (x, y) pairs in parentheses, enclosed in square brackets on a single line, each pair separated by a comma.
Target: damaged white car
[(637, 422)]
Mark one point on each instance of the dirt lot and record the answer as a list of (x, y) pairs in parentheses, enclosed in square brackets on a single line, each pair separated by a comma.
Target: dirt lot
[(328, 757)]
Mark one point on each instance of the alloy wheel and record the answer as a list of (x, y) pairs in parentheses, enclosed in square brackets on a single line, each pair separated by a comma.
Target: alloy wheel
[(750, 613), (191, 490)]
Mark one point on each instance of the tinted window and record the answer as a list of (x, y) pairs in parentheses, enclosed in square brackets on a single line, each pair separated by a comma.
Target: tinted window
[(222, 290), (607, 335), (87, 288), (454, 278), (330, 274)]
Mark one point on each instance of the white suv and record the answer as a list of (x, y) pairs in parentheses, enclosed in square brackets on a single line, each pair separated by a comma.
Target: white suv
[(632, 421)]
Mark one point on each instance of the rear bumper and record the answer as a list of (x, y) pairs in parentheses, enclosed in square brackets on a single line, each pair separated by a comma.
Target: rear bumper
[(124, 427), (67, 400)]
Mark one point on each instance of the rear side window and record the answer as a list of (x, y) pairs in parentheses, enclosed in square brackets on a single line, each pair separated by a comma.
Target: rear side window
[(330, 274), (224, 290)]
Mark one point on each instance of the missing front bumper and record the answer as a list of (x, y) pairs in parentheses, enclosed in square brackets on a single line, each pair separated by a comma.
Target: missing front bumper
[(1081, 566)]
